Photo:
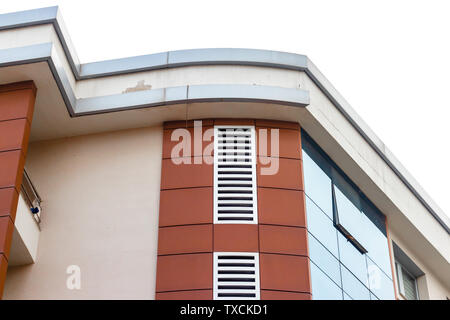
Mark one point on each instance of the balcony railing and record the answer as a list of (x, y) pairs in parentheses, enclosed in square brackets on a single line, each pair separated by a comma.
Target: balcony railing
[(31, 197)]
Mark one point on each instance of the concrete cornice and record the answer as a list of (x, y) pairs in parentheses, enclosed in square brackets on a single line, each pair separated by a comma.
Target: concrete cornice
[(199, 93)]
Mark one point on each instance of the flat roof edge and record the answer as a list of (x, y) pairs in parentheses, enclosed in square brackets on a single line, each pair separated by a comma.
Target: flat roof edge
[(222, 56)]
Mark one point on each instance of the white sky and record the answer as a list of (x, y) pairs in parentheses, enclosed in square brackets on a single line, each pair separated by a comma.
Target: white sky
[(389, 59)]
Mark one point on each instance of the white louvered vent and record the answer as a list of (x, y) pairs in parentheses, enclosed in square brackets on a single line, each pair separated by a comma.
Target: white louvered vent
[(235, 175), (236, 276)]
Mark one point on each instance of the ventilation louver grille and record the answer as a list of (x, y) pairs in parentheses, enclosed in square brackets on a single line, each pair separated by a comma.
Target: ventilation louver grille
[(235, 175), (236, 276)]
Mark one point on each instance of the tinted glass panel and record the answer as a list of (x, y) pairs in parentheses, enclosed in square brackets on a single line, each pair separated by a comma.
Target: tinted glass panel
[(376, 244), (317, 185), (350, 217), (324, 259), (345, 229), (352, 259), (379, 283), (323, 288), (353, 287), (321, 227)]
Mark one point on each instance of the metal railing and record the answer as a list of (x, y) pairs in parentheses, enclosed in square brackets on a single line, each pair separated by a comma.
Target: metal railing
[(31, 197)]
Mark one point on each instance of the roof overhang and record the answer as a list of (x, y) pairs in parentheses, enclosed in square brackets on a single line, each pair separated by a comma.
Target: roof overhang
[(75, 98)]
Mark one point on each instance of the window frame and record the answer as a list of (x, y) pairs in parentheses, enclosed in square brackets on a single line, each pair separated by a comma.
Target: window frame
[(400, 269), (341, 227)]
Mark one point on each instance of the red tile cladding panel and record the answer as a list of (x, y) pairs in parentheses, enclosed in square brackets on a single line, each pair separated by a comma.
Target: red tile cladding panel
[(186, 175), (184, 272), (185, 239), (17, 104), (288, 175), (282, 207), (188, 142), (3, 269), (185, 295), (288, 142), (284, 295), (278, 124), (14, 135), (8, 202), (6, 231), (284, 272), (284, 240), (235, 237), (186, 206), (11, 169)]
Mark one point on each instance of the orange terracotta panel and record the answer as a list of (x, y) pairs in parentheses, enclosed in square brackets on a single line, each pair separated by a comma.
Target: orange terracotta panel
[(184, 272), (11, 169), (185, 295), (285, 240), (6, 231), (28, 84), (14, 135), (288, 143), (186, 141), (288, 176), (185, 239), (284, 272), (8, 202), (186, 175), (234, 122), (3, 269), (278, 124), (186, 206), (187, 124), (281, 207), (284, 295), (17, 104), (236, 238)]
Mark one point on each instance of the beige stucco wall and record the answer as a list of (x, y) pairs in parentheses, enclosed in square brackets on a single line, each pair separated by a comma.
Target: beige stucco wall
[(100, 212), (431, 286)]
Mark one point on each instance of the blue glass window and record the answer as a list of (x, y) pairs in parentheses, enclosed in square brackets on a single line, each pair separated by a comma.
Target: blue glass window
[(324, 259), (353, 287), (347, 234), (318, 185), (321, 227), (379, 283), (352, 259), (323, 288)]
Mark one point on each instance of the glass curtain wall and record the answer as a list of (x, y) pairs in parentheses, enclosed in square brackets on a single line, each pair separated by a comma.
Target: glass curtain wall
[(347, 234)]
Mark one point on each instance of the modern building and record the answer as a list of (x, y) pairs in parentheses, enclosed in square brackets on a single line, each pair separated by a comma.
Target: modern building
[(110, 190)]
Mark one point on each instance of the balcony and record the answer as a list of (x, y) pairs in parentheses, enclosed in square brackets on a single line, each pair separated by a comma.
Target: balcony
[(27, 225)]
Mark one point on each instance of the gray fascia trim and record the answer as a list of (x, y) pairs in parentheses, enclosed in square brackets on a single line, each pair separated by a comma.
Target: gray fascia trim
[(41, 16), (252, 93), (28, 18), (123, 66), (24, 55), (199, 57), (191, 94), (371, 138), (193, 57), (42, 53)]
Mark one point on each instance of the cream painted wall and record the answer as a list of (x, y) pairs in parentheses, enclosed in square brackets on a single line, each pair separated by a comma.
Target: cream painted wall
[(430, 285), (100, 211)]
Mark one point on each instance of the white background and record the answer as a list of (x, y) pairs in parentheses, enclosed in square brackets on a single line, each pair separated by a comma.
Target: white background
[(389, 59)]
